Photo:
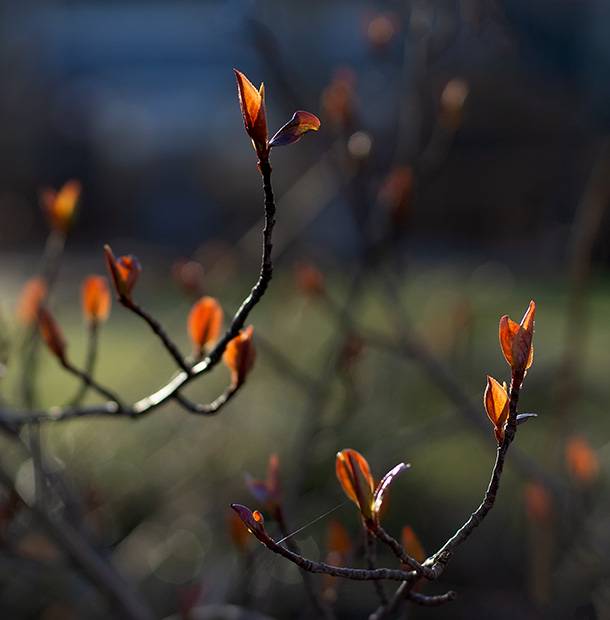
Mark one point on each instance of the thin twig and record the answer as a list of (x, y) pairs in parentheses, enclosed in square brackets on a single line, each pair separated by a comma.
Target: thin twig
[(92, 342)]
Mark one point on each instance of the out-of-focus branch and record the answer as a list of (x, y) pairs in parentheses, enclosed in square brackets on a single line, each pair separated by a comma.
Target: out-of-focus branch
[(92, 343), (14, 420), (77, 548)]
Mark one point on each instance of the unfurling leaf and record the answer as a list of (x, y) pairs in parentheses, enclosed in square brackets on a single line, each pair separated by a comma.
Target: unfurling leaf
[(355, 478), (516, 341), (524, 417), (412, 544), (496, 404), (300, 123), (267, 491), (33, 295), (252, 104), (51, 334), (309, 279), (239, 356), (205, 323), (582, 461), (252, 520), (60, 206), (384, 485), (538, 503), (124, 272), (95, 297)]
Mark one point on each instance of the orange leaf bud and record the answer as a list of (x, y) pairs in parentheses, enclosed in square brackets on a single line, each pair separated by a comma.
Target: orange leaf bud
[(32, 296), (300, 123), (355, 478), (95, 298), (309, 279), (205, 323), (496, 404), (412, 544), (51, 334), (124, 272), (516, 341), (240, 355), (538, 503), (582, 461), (252, 104), (59, 206)]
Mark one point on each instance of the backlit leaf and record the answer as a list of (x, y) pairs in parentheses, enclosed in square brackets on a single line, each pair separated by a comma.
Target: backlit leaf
[(300, 123), (205, 323), (95, 298)]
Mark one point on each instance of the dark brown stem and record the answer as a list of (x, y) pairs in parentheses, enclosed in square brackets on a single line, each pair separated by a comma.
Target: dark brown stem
[(320, 608), (208, 408), (158, 330), (89, 381), (370, 555), (439, 560), (399, 551)]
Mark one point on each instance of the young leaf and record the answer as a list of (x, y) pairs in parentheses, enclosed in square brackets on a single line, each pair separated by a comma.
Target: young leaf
[(412, 544), (240, 355), (516, 340), (205, 323), (496, 404), (60, 206), (252, 520), (252, 104), (124, 272), (300, 123), (384, 485), (51, 334), (33, 295), (95, 298), (355, 478)]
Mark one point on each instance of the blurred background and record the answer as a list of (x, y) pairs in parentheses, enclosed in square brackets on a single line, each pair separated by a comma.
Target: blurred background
[(462, 169)]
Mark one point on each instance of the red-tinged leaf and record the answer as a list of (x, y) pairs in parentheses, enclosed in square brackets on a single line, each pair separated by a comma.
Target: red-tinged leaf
[(516, 340), (51, 334), (252, 104), (33, 295), (240, 536), (95, 298), (355, 477), (309, 279), (300, 123), (412, 544), (538, 503), (252, 520), (124, 272), (384, 484), (582, 461), (205, 323), (189, 274), (60, 206), (239, 356), (496, 404), (338, 539)]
